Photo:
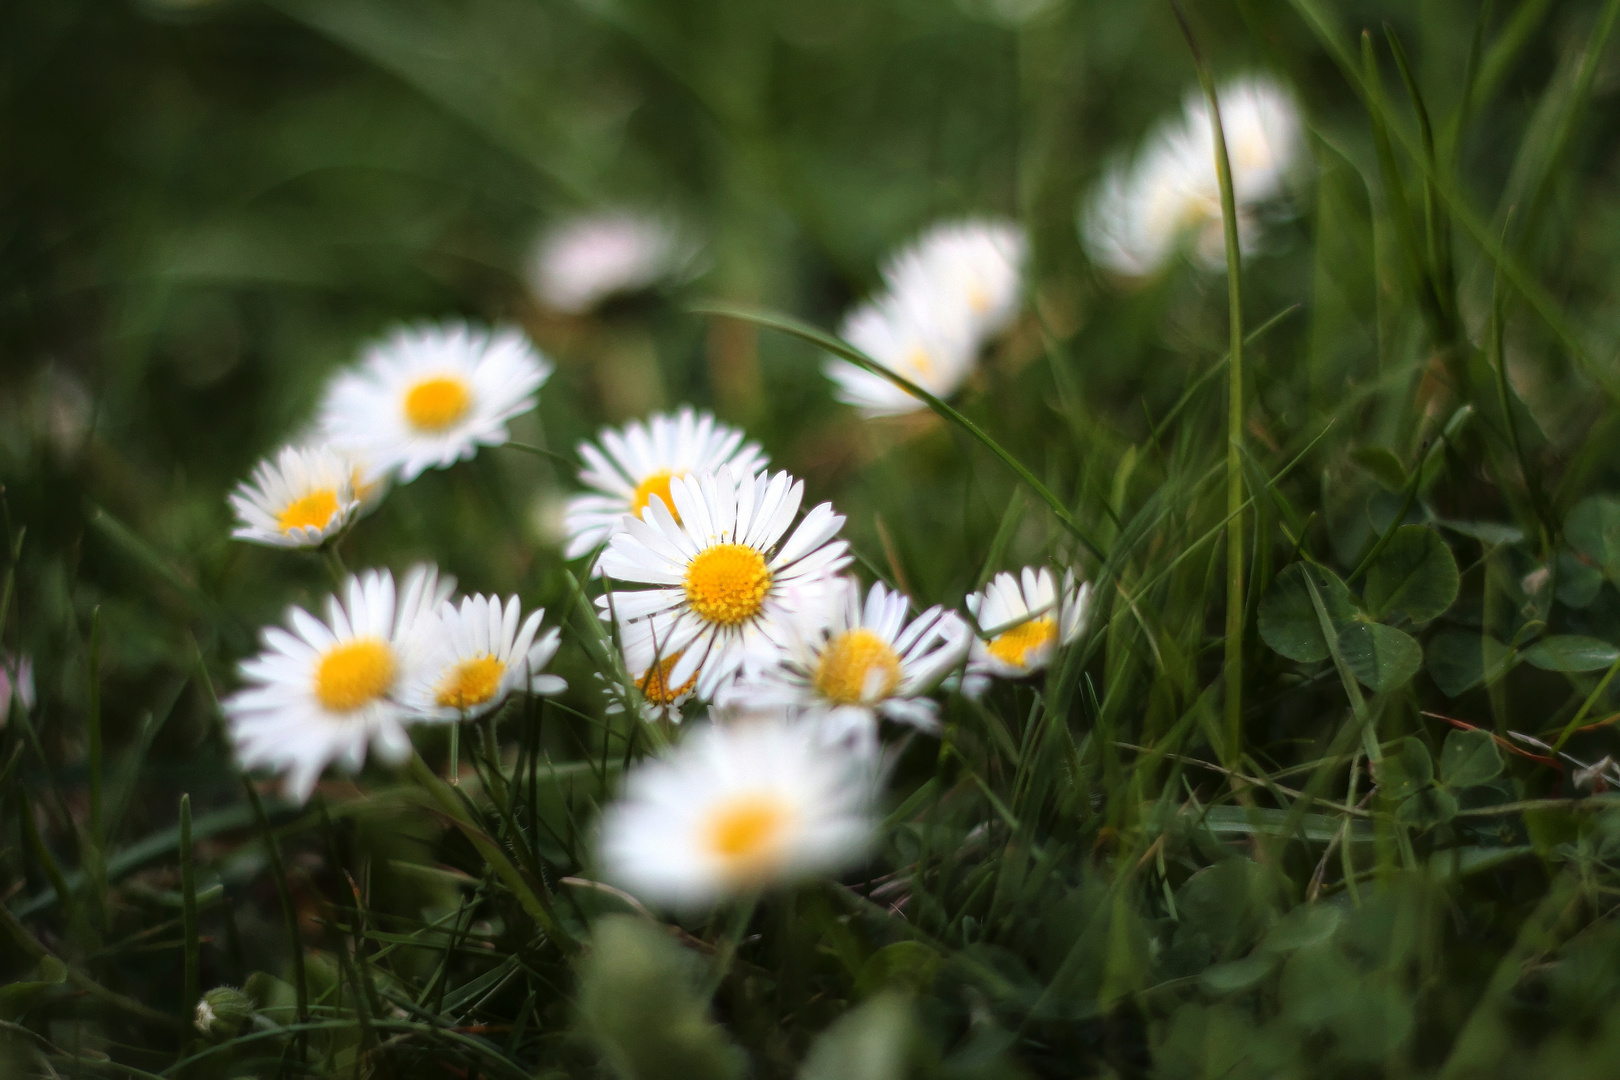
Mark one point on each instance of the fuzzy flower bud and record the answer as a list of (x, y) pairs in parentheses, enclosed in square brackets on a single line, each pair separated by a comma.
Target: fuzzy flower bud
[(222, 1011)]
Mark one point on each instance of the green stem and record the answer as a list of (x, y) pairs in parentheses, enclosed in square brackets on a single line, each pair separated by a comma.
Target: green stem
[(1586, 706), (188, 897), (92, 723)]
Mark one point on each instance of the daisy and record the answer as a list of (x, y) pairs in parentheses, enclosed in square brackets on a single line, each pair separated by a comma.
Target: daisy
[(928, 343), (429, 396), (859, 662), (585, 260), (320, 691), (638, 461), (660, 699), (474, 655), (724, 577), (736, 808), (1023, 627), (16, 684), (975, 265), (299, 499)]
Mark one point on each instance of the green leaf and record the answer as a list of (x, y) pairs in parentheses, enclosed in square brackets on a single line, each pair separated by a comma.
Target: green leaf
[(1593, 529), (1382, 657), (904, 964), (1469, 759), (878, 1041), (1288, 621), (1578, 580), (1382, 465), (1235, 976), (1406, 770), (1458, 662), (1307, 924), (1571, 652), (1415, 573), (1427, 808)]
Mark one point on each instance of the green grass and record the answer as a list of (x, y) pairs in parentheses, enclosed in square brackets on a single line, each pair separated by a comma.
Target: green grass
[(1127, 869)]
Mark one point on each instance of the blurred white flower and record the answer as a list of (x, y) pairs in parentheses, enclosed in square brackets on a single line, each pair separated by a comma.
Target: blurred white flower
[(844, 668), (585, 260), (473, 655), (1144, 211), (323, 691), (946, 295), (301, 498), (735, 808), (637, 462), (429, 396), (16, 685), (725, 578), (1022, 626)]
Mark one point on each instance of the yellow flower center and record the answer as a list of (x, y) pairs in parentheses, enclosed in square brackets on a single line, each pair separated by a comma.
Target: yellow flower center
[(656, 484), (655, 686), (857, 666), (313, 511), (1016, 644), (727, 583), (978, 298), (471, 682), (434, 404), (354, 674), (919, 361), (747, 831)]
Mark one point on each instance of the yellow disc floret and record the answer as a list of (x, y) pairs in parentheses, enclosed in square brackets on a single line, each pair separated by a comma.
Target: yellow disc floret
[(354, 674), (313, 511), (655, 686), (434, 404), (470, 683), (1016, 644), (656, 484), (746, 832), (727, 583), (857, 666)]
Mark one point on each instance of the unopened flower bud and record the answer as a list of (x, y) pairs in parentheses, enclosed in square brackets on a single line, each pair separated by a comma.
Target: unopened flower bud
[(222, 1011)]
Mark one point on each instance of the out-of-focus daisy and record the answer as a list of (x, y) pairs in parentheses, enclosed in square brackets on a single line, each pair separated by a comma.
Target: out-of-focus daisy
[(321, 691), (1023, 619), (844, 669), (724, 576), (473, 655), (733, 809), (16, 685), (585, 260), (1144, 211), (429, 396), (975, 265), (928, 344), (301, 498), (637, 462)]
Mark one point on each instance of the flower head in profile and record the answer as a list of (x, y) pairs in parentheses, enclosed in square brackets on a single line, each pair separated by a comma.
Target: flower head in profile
[(975, 265), (475, 654), (1023, 619), (1169, 198), (725, 572), (733, 809), (638, 461), (300, 498), (429, 396), (585, 260), (857, 662), (320, 692)]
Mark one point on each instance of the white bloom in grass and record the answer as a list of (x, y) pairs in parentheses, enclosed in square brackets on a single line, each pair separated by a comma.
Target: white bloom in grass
[(429, 396), (660, 700), (16, 684), (975, 265), (1024, 620), (736, 808), (724, 577), (929, 344), (301, 498), (474, 654), (320, 691), (639, 460), (859, 661), (585, 260), (1144, 211)]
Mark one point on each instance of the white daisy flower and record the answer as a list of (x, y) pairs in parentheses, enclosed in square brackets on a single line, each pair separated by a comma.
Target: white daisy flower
[(725, 578), (975, 265), (858, 662), (1144, 211), (585, 260), (736, 808), (1023, 627), (930, 345), (638, 461), (474, 655), (659, 699), (299, 499), (429, 396), (320, 691)]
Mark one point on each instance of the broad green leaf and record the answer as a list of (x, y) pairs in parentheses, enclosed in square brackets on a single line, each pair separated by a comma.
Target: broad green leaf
[(904, 964), (1427, 808), (1571, 652), (1382, 657), (1593, 529), (878, 1041), (1459, 661), (1288, 621), (1235, 976), (1578, 580), (1382, 465), (1307, 924), (1406, 769), (1415, 573), (1469, 758)]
